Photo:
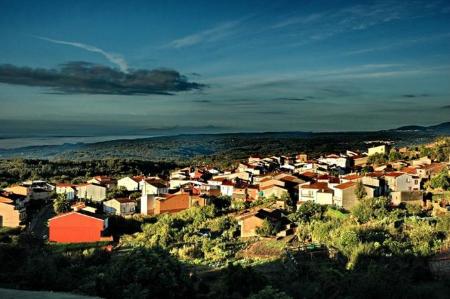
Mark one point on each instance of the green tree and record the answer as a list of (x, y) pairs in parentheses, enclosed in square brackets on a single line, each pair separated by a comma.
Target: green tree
[(394, 156), (267, 229), (360, 191), (61, 204), (307, 212), (441, 181)]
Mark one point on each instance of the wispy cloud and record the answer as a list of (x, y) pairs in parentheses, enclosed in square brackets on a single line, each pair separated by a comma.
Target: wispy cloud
[(399, 44), (113, 58), (315, 27), (216, 33)]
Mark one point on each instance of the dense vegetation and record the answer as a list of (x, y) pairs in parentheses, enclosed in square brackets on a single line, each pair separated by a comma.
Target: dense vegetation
[(17, 170), (373, 251), (218, 148)]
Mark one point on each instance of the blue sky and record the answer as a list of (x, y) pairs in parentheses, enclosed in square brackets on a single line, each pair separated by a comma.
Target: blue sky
[(235, 65)]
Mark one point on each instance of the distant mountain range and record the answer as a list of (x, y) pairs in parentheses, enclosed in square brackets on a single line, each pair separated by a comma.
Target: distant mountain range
[(229, 146), (441, 128)]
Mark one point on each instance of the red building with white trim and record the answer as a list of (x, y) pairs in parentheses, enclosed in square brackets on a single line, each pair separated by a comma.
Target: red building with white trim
[(77, 227)]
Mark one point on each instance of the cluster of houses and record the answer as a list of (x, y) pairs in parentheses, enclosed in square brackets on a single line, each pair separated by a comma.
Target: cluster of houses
[(328, 180)]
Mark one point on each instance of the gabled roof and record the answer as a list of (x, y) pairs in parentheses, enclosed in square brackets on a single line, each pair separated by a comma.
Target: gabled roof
[(409, 169), (138, 178), (270, 187), (394, 174), (351, 177), (346, 185), (82, 213), (317, 186), (124, 200)]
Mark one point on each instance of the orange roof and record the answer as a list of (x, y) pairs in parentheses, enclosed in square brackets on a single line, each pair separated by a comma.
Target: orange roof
[(409, 169), (346, 185), (318, 186), (138, 178), (269, 187), (351, 177), (394, 174), (309, 174)]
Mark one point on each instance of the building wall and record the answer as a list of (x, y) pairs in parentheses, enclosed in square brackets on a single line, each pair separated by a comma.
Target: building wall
[(10, 217), (249, 226), (75, 228), (382, 149), (349, 199), (172, 204), (128, 183), (92, 192), (68, 191), (324, 198)]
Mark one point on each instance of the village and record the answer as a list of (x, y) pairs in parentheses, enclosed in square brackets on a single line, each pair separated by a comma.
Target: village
[(259, 189)]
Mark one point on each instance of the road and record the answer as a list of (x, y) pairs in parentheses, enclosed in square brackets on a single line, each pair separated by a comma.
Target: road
[(38, 225)]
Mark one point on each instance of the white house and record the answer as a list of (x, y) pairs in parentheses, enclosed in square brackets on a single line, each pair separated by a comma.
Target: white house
[(130, 183), (317, 192), (344, 195), (120, 206), (335, 160), (227, 188), (67, 189), (398, 181), (153, 187)]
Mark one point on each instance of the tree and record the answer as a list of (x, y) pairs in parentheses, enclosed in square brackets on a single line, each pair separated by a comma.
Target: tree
[(61, 204), (116, 192), (440, 181), (307, 212), (394, 156), (360, 191), (377, 159), (267, 229)]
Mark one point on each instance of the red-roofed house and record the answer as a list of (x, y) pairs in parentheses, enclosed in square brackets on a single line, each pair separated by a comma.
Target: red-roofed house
[(317, 192), (170, 203), (399, 181), (344, 195), (77, 227)]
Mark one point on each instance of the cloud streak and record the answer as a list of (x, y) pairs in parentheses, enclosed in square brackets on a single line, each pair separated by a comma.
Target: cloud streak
[(206, 36), (88, 78), (111, 57)]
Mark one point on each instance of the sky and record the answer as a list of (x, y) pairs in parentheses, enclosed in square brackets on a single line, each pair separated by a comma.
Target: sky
[(87, 68)]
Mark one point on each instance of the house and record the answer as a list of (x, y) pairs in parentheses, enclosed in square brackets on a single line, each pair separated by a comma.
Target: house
[(91, 191), (399, 181), (353, 177), (104, 180), (120, 206), (153, 186), (410, 197), (226, 188), (77, 227), (250, 222), (33, 190), (169, 203), (375, 184), (69, 190), (381, 149), (335, 160), (317, 192), (130, 183), (344, 195), (272, 191), (12, 209)]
